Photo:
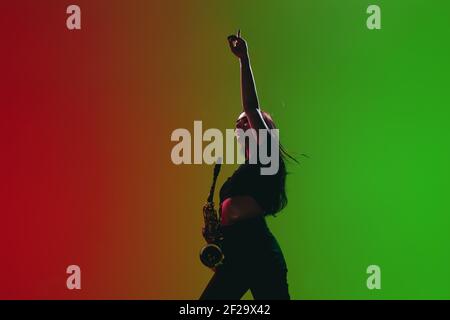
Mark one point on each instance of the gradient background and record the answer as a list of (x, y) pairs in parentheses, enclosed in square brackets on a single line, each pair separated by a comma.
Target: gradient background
[(85, 124)]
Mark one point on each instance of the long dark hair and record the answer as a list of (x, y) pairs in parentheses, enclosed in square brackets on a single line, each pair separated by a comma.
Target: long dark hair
[(280, 199)]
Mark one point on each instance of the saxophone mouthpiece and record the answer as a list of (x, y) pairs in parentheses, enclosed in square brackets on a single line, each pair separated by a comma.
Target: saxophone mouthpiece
[(215, 175), (217, 167)]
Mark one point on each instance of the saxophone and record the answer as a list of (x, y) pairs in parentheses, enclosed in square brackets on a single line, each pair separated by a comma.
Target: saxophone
[(211, 254)]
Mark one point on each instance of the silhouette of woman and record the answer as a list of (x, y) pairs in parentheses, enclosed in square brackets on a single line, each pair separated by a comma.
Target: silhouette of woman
[(253, 258)]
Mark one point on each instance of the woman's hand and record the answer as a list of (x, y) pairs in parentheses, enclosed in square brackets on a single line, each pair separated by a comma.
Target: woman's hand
[(238, 45)]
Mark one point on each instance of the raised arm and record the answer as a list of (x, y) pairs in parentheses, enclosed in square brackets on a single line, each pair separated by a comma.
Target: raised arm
[(248, 90)]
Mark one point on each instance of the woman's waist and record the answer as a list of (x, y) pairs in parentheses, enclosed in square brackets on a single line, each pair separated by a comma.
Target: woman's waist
[(247, 228), (250, 239)]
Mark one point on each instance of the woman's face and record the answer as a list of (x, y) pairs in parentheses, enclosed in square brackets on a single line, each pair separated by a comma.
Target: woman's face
[(241, 123)]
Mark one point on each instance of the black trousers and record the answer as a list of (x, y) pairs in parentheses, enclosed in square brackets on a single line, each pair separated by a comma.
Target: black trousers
[(253, 261)]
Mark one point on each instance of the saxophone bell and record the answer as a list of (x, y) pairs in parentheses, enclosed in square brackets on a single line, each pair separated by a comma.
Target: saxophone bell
[(211, 255)]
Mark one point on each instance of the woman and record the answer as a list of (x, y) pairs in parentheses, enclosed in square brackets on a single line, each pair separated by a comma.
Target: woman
[(253, 258)]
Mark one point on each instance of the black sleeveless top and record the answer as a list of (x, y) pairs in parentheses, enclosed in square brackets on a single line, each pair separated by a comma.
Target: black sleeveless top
[(247, 180)]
